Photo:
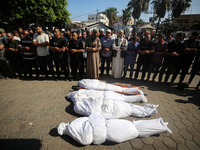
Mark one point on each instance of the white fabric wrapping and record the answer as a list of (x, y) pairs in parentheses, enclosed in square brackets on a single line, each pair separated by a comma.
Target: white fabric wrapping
[(147, 128), (119, 130), (83, 93), (81, 130), (96, 129), (98, 124), (97, 85), (109, 108)]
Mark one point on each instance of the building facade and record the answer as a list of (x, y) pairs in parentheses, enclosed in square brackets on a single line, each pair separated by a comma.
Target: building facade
[(187, 20), (98, 18)]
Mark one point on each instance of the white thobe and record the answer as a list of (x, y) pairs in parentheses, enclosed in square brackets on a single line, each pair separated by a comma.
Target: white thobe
[(118, 62)]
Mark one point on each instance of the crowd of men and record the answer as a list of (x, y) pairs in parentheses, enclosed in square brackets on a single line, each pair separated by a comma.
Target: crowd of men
[(27, 52)]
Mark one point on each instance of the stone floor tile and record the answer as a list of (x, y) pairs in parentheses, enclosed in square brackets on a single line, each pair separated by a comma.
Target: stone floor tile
[(28, 132), (159, 145), (192, 145), (137, 143), (148, 140), (186, 135), (178, 138), (125, 145), (169, 143), (54, 144), (182, 147)]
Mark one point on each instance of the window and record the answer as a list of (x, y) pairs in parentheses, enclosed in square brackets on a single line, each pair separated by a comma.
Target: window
[(92, 18), (89, 18)]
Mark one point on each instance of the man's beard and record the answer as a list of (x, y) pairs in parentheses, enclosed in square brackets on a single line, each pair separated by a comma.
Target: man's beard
[(39, 32), (95, 36)]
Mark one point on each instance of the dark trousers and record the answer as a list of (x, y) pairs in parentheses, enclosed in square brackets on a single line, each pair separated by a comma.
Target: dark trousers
[(16, 62), (66, 60), (83, 64), (195, 70), (154, 66), (108, 61), (169, 66), (43, 62), (6, 69), (59, 63), (126, 68), (75, 63), (29, 64), (145, 65), (184, 66)]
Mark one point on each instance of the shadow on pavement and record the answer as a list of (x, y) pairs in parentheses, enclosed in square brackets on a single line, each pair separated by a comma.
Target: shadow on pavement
[(155, 86), (20, 144), (53, 132)]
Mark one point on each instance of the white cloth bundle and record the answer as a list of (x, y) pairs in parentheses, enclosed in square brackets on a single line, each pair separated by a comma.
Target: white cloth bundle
[(97, 85), (109, 108), (95, 129), (147, 128), (83, 93)]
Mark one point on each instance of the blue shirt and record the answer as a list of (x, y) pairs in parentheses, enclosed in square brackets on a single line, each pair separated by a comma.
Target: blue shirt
[(106, 44), (130, 57)]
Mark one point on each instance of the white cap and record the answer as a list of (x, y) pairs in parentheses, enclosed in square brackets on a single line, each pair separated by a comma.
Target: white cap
[(108, 30), (102, 30)]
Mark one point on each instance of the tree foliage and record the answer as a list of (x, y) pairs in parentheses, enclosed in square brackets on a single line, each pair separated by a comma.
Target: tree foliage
[(139, 22), (179, 6), (23, 12), (195, 26), (138, 7), (126, 16), (111, 13)]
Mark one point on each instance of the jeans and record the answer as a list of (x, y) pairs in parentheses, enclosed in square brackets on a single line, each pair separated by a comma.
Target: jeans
[(126, 68), (169, 66), (108, 61), (156, 66)]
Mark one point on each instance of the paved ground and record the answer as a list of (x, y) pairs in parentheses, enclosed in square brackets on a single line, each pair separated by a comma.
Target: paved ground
[(30, 111)]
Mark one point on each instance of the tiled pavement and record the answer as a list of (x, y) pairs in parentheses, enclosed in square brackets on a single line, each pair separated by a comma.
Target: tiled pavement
[(30, 111)]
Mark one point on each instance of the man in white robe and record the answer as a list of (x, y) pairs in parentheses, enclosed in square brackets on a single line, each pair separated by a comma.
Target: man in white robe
[(95, 129), (120, 44)]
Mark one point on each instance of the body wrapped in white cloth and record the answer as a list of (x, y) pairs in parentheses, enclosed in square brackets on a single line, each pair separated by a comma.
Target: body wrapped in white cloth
[(108, 107), (97, 85), (83, 93), (95, 129)]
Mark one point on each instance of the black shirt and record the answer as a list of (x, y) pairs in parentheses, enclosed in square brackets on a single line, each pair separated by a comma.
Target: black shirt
[(76, 44), (2, 51), (145, 46), (10, 55), (189, 57), (172, 47), (57, 42)]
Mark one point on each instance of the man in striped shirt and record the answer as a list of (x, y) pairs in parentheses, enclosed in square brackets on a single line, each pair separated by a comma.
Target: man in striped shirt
[(29, 55)]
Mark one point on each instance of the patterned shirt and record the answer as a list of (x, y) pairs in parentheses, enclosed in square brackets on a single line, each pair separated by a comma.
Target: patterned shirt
[(106, 44), (160, 50)]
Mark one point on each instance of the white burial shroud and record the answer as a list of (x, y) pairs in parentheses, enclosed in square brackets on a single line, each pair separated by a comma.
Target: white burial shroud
[(83, 93), (95, 129), (97, 85), (108, 107)]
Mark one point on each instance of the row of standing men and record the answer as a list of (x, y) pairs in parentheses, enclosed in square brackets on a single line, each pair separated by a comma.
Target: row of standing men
[(73, 51)]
